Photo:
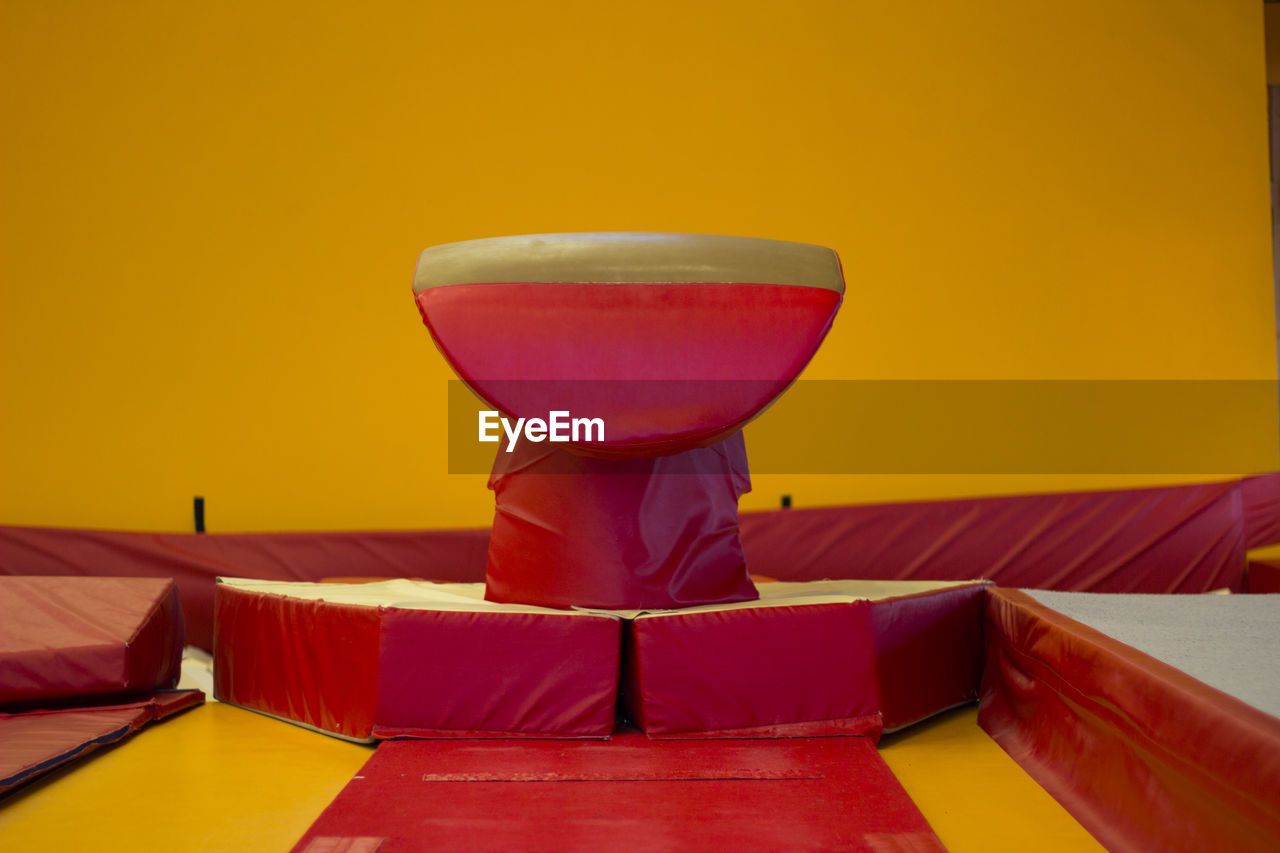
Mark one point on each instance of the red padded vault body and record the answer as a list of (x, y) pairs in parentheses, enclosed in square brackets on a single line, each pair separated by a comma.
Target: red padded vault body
[(674, 342)]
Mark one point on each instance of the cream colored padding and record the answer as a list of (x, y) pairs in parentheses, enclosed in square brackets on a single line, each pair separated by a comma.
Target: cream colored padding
[(426, 595), (628, 257), (197, 671), (798, 593), (405, 594)]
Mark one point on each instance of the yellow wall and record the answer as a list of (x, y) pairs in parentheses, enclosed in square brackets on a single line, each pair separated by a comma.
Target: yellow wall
[(211, 213)]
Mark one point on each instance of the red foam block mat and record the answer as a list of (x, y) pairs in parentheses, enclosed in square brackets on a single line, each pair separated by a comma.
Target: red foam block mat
[(33, 743), (522, 672), (311, 662), (1142, 754), (76, 636), (807, 658), (402, 658), (928, 648), (626, 794)]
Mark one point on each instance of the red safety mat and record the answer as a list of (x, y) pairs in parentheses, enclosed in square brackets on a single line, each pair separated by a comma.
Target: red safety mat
[(1143, 755), (34, 742), (78, 636), (627, 794)]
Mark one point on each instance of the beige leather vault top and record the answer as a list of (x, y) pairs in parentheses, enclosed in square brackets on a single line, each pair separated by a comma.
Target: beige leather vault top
[(621, 257)]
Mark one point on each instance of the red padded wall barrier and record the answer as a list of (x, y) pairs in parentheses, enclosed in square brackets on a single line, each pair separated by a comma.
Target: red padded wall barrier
[(1174, 539), (1260, 497)]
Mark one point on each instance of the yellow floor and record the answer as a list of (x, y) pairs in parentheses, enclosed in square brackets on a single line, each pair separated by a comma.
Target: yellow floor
[(215, 778), (219, 778), (973, 794)]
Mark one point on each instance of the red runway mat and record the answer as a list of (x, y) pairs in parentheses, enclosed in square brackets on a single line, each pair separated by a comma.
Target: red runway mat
[(626, 794)]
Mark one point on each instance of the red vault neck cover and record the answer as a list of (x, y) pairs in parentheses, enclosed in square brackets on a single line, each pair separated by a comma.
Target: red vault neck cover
[(665, 345)]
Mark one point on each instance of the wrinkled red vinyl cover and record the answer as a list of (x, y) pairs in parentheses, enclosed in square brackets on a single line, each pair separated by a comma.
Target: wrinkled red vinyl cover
[(64, 637), (1143, 755), (572, 530), (309, 661)]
